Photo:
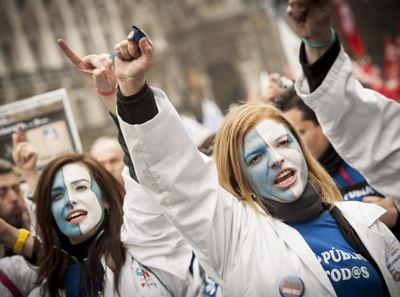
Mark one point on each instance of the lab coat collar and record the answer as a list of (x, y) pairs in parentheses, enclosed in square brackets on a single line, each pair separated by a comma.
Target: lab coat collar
[(364, 214)]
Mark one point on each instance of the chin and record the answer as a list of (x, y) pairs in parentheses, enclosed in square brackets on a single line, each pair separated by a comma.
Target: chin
[(288, 200)]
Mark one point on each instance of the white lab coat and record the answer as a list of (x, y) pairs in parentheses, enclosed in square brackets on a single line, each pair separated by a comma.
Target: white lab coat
[(362, 125), (20, 272), (247, 253), (149, 239)]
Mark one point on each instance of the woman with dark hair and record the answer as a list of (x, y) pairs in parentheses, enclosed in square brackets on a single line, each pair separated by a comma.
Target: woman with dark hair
[(89, 245), (83, 250), (80, 207)]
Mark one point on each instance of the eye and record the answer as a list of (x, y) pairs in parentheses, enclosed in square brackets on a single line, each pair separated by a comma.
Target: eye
[(114, 161), (255, 159), (283, 143), (16, 189), (80, 188), (57, 196)]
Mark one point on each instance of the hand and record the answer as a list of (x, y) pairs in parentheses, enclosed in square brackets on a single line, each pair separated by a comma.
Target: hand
[(273, 91), (311, 19), (25, 155), (98, 68), (390, 217), (131, 66)]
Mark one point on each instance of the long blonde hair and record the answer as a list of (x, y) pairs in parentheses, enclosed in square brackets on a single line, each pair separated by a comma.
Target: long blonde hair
[(229, 141)]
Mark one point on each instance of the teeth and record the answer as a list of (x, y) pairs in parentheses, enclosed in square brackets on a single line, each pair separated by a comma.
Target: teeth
[(286, 181), (283, 174), (75, 215)]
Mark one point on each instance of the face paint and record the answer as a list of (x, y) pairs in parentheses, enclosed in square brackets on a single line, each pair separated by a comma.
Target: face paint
[(275, 163), (77, 205)]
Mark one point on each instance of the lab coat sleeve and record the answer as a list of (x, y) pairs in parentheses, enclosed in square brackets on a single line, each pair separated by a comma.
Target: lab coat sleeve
[(21, 273), (362, 125), (185, 184), (152, 240)]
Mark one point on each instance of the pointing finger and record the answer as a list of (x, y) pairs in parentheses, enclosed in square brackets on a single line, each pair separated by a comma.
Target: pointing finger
[(78, 62)]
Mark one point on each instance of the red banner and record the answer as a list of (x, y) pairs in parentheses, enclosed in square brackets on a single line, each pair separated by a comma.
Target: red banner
[(349, 27)]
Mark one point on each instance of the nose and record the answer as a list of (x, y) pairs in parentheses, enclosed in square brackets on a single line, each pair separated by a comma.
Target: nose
[(70, 200), (13, 196), (277, 160)]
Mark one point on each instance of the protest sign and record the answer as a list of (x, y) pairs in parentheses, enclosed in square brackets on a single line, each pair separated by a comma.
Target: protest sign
[(47, 122)]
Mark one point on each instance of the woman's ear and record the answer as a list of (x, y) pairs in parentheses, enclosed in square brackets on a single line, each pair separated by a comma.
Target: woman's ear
[(106, 205)]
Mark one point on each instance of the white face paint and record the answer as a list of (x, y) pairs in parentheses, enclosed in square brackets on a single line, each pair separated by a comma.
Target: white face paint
[(77, 205), (275, 163)]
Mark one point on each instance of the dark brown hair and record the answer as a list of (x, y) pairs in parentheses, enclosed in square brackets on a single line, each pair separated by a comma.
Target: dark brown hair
[(52, 261)]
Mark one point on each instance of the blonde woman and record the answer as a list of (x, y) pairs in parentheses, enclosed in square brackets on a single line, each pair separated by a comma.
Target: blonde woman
[(266, 219)]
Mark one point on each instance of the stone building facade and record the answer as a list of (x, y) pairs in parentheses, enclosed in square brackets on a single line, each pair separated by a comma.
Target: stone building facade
[(204, 48)]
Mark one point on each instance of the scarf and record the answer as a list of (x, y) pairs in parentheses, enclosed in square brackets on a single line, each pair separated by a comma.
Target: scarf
[(330, 160), (304, 209)]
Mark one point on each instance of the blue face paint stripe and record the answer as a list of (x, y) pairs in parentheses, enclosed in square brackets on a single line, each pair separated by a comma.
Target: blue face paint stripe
[(69, 201), (261, 175)]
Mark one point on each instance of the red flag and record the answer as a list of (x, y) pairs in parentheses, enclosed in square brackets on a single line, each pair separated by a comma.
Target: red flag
[(349, 27), (391, 68)]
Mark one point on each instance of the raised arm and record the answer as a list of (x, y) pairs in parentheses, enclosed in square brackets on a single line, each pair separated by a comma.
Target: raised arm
[(181, 180), (361, 124), (25, 155), (98, 69)]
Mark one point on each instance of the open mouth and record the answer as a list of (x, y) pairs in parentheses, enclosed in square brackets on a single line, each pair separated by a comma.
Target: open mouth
[(75, 217), (285, 178)]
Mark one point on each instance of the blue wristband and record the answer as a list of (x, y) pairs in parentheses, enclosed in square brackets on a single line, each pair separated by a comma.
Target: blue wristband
[(320, 45)]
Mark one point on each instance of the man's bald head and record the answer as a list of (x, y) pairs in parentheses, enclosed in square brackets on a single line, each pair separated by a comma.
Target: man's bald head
[(109, 153)]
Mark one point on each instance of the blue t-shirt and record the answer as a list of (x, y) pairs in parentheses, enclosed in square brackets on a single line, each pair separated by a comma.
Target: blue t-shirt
[(72, 279), (351, 183), (349, 272)]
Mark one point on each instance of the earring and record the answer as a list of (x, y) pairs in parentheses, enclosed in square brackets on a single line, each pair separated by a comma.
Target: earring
[(108, 211)]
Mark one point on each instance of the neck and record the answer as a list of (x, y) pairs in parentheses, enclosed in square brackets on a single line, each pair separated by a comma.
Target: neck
[(304, 209)]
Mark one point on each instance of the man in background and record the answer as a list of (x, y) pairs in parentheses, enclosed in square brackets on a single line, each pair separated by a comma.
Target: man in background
[(12, 207), (108, 152)]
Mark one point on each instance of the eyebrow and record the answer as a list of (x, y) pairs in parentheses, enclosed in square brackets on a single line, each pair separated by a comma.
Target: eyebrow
[(79, 180), (57, 189), (252, 152), (286, 135)]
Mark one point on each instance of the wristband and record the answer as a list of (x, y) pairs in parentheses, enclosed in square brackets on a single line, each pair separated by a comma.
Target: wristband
[(109, 93), (19, 245), (320, 45)]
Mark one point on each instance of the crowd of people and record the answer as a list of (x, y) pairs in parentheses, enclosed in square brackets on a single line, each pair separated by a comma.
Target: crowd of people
[(294, 197)]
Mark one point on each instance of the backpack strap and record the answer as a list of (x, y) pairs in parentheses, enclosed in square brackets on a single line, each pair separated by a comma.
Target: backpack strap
[(350, 235), (9, 285)]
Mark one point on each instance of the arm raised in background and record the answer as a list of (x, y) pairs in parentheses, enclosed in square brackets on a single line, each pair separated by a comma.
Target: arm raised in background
[(362, 125), (98, 69), (25, 155)]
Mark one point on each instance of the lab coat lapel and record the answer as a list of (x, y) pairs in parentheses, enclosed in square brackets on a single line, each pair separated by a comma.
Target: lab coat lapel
[(296, 242), (373, 241)]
